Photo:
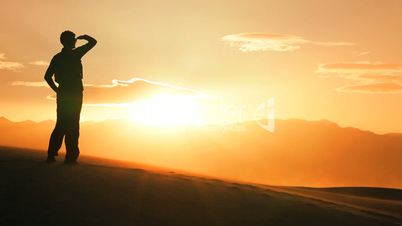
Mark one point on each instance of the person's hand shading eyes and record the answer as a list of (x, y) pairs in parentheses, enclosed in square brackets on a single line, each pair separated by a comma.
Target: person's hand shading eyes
[(83, 37)]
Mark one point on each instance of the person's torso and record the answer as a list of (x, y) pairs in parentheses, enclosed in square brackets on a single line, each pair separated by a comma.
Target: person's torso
[(68, 71)]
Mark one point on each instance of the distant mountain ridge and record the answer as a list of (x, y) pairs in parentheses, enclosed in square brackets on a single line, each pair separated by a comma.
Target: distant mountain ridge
[(299, 152)]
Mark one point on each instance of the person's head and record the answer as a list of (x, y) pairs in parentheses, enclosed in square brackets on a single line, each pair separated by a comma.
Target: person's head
[(67, 39)]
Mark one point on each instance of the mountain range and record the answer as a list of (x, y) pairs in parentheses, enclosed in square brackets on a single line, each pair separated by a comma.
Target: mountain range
[(299, 152)]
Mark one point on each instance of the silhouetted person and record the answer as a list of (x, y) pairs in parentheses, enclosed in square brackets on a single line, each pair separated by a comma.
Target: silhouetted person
[(67, 70)]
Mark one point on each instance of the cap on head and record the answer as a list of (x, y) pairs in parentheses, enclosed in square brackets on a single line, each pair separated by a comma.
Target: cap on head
[(67, 39)]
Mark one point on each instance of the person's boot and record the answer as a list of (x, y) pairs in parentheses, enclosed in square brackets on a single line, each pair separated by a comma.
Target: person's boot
[(70, 161), (50, 159)]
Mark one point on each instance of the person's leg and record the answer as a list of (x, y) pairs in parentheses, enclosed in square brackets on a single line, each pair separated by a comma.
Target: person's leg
[(71, 140), (72, 132), (56, 139)]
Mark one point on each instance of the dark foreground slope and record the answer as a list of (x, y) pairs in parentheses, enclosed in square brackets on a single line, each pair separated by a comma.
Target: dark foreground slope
[(100, 192)]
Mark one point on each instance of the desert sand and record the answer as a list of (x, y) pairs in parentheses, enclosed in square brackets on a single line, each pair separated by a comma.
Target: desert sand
[(106, 192)]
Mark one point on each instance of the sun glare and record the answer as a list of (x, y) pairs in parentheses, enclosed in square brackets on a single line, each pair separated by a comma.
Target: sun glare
[(167, 110)]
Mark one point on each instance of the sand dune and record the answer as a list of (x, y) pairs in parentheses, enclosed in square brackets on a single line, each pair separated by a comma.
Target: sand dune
[(106, 192), (367, 200)]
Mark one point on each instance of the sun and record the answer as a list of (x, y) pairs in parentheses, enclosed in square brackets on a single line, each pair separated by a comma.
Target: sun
[(168, 110)]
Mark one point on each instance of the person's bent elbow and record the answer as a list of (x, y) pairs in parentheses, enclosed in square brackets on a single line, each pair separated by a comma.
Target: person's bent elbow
[(93, 42), (48, 78)]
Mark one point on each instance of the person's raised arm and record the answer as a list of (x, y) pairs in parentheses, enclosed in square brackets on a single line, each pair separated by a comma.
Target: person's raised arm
[(82, 50), (49, 77)]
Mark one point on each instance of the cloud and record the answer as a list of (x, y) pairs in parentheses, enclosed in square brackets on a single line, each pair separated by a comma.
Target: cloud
[(30, 84), (119, 91), (381, 78), (248, 42), (8, 65), (128, 91), (361, 70), (385, 87), (361, 66), (367, 77), (364, 53), (39, 63)]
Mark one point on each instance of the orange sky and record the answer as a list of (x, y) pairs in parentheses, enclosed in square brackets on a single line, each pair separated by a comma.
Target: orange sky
[(338, 60)]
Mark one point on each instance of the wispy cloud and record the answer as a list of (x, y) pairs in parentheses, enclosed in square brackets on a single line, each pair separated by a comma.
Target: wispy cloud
[(367, 77), (120, 91), (364, 53), (29, 84), (128, 91), (248, 42), (39, 63), (383, 87), (8, 65)]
